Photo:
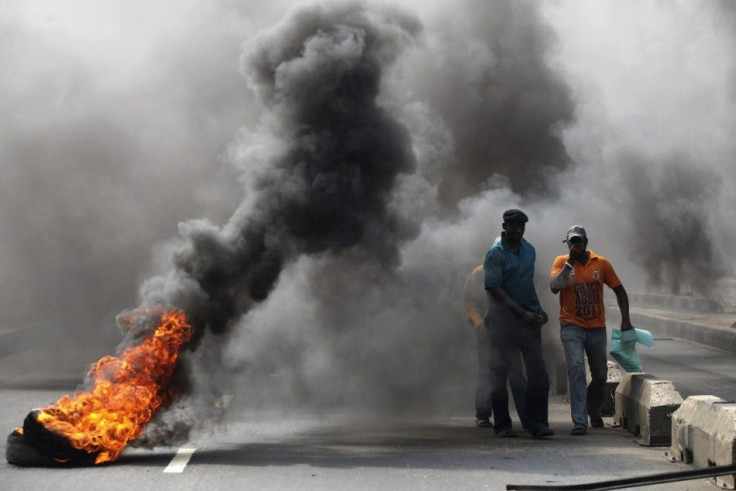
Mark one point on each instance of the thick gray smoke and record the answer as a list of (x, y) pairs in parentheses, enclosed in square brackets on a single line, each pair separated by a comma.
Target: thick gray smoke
[(110, 135), (328, 185), (376, 148), (318, 73), (347, 334), (672, 209), (513, 104), (653, 174)]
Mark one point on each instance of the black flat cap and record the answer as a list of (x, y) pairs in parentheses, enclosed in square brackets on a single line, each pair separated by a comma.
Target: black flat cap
[(514, 215)]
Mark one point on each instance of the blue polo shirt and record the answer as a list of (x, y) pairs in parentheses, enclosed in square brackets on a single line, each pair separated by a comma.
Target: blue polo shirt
[(514, 272)]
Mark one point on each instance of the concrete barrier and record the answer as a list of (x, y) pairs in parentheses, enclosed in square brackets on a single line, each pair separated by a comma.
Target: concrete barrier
[(615, 374), (644, 407), (704, 434)]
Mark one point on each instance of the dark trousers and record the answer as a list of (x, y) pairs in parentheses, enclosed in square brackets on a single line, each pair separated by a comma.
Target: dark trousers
[(484, 386), (509, 337)]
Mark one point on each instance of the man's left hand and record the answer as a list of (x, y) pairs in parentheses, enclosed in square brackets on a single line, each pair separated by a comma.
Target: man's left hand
[(626, 325)]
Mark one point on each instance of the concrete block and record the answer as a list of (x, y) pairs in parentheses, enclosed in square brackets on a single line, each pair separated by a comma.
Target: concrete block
[(693, 424), (725, 443), (644, 407), (608, 408), (613, 378), (704, 434)]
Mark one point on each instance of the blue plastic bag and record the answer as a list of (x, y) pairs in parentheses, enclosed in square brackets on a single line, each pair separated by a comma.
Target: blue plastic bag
[(623, 347), (644, 337)]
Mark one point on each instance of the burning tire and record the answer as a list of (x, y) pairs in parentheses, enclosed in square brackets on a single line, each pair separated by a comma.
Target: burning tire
[(125, 391), (35, 446), (18, 452)]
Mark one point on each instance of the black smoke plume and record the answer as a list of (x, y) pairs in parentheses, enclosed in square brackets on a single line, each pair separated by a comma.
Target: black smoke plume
[(328, 186), (349, 336)]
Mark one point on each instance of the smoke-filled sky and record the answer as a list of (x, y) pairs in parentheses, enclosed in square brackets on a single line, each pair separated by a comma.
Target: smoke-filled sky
[(314, 181)]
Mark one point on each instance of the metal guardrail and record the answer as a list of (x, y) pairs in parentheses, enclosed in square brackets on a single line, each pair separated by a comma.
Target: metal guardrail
[(631, 482)]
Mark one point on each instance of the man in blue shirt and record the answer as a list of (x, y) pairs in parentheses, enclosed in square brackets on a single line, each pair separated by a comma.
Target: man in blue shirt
[(475, 301), (513, 320)]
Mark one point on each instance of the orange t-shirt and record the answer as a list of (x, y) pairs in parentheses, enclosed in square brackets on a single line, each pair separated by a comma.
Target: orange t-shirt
[(581, 301)]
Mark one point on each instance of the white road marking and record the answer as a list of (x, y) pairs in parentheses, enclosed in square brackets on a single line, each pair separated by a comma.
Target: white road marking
[(180, 460)]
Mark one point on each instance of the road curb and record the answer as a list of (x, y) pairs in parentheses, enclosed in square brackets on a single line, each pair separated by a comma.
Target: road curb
[(676, 302), (697, 332)]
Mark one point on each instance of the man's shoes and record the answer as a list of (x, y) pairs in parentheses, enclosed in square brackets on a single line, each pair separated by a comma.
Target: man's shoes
[(578, 430), (542, 432), (596, 422), (483, 423), (506, 433)]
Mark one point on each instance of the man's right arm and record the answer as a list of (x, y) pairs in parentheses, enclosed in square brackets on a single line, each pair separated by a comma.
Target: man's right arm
[(561, 270), (493, 267), (530, 318)]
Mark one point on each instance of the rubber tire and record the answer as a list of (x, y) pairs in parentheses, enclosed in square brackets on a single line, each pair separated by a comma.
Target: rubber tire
[(18, 452), (53, 446)]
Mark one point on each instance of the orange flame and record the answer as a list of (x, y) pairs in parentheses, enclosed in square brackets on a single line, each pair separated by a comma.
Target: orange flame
[(127, 391)]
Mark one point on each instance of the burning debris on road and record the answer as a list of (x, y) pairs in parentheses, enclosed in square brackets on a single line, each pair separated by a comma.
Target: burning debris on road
[(94, 426)]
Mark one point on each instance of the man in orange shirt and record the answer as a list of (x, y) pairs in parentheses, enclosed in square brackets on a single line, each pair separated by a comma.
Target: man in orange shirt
[(579, 278)]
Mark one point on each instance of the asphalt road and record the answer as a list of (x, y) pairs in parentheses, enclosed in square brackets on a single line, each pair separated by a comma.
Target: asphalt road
[(694, 369), (270, 449)]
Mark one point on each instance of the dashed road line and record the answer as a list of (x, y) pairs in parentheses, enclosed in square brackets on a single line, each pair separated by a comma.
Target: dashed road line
[(180, 460)]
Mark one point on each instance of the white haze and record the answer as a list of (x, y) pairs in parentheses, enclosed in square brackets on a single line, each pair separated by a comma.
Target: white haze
[(122, 119)]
